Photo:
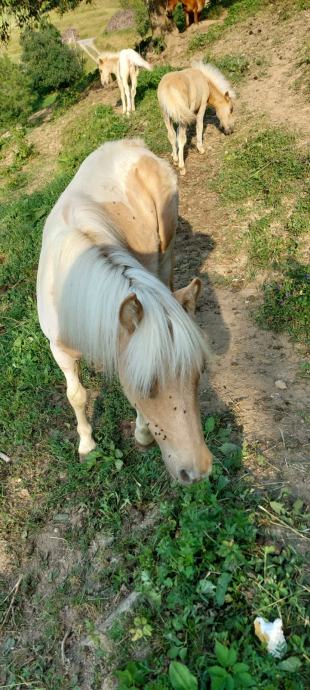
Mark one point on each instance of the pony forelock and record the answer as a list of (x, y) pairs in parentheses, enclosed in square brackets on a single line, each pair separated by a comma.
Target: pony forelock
[(166, 343), (215, 76)]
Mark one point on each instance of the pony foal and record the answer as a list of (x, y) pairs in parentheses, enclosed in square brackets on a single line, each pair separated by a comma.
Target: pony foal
[(102, 288), (125, 66), (183, 98)]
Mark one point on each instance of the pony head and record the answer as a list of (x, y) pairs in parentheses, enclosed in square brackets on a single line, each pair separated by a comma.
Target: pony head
[(105, 70), (168, 412), (225, 111)]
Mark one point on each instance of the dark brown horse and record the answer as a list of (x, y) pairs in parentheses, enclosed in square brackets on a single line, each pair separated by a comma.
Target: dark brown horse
[(192, 9)]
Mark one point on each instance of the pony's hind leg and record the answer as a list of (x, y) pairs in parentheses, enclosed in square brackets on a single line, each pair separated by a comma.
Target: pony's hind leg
[(122, 90), (142, 432), (77, 397), (199, 127), (181, 144), (134, 77), (171, 136)]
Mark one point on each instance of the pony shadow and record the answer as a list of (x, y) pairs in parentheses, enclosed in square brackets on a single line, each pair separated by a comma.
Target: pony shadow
[(191, 253), (210, 118)]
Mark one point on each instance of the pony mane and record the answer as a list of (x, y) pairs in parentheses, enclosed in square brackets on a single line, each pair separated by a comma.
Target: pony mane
[(108, 55), (166, 341), (216, 77)]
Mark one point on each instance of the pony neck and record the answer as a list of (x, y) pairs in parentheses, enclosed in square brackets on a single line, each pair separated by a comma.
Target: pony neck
[(113, 65), (216, 97)]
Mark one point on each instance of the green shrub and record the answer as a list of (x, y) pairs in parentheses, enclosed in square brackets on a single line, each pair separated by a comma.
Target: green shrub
[(15, 95), (49, 64)]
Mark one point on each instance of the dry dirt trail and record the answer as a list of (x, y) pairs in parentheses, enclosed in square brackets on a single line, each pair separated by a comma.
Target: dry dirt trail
[(248, 361)]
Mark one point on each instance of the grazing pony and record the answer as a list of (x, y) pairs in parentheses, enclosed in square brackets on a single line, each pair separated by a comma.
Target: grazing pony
[(125, 66), (102, 289), (183, 98), (192, 9)]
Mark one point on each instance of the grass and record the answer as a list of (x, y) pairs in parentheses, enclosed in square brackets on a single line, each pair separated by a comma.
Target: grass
[(205, 560), (268, 170)]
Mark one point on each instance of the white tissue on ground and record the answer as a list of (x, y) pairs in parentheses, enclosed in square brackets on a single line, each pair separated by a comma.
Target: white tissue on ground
[(272, 635)]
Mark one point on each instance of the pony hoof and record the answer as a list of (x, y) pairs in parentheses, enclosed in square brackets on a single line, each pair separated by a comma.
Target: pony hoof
[(83, 454), (182, 171), (200, 149), (128, 113)]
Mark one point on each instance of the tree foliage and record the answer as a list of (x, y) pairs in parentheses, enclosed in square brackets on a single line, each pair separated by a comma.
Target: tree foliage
[(49, 64), (15, 94), (23, 11)]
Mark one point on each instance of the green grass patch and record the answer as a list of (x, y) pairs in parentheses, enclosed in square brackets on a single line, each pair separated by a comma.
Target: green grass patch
[(237, 12), (286, 302), (98, 125), (233, 66), (264, 168)]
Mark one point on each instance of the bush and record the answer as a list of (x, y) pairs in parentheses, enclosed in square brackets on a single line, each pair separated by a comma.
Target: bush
[(49, 63), (15, 94)]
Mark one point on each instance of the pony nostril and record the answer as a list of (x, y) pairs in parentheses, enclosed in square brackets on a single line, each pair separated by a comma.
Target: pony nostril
[(185, 477)]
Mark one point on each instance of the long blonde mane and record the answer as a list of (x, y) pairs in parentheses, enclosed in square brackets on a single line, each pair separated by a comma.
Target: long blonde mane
[(166, 343), (216, 77)]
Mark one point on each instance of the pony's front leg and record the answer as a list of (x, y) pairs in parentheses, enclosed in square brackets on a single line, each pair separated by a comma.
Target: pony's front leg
[(171, 136), (142, 432), (121, 88), (77, 397), (187, 19), (199, 127), (181, 144)]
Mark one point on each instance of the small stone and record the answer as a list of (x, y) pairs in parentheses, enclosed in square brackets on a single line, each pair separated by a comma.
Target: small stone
[(281, 385)]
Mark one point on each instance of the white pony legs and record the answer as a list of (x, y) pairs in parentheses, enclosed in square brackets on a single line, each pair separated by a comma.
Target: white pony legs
[(171, 136), (134, 77), (142, 433), (181, 144), (77, 397), (122, 90), (199, 127)]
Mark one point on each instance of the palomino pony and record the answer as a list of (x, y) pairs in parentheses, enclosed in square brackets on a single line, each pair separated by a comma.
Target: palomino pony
[(125, 66), (104, 270), (192, 9), (183, 98)]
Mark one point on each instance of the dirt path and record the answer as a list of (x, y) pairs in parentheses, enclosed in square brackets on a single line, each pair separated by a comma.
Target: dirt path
[(248, 362)]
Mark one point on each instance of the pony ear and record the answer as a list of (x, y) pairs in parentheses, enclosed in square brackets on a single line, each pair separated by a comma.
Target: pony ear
[(227, 96), (130, 313), (188, 296)]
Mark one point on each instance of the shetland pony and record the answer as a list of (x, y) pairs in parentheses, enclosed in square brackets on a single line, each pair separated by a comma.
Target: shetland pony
[(183, 98), (125, 66), (192, 9), (102, 292)]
